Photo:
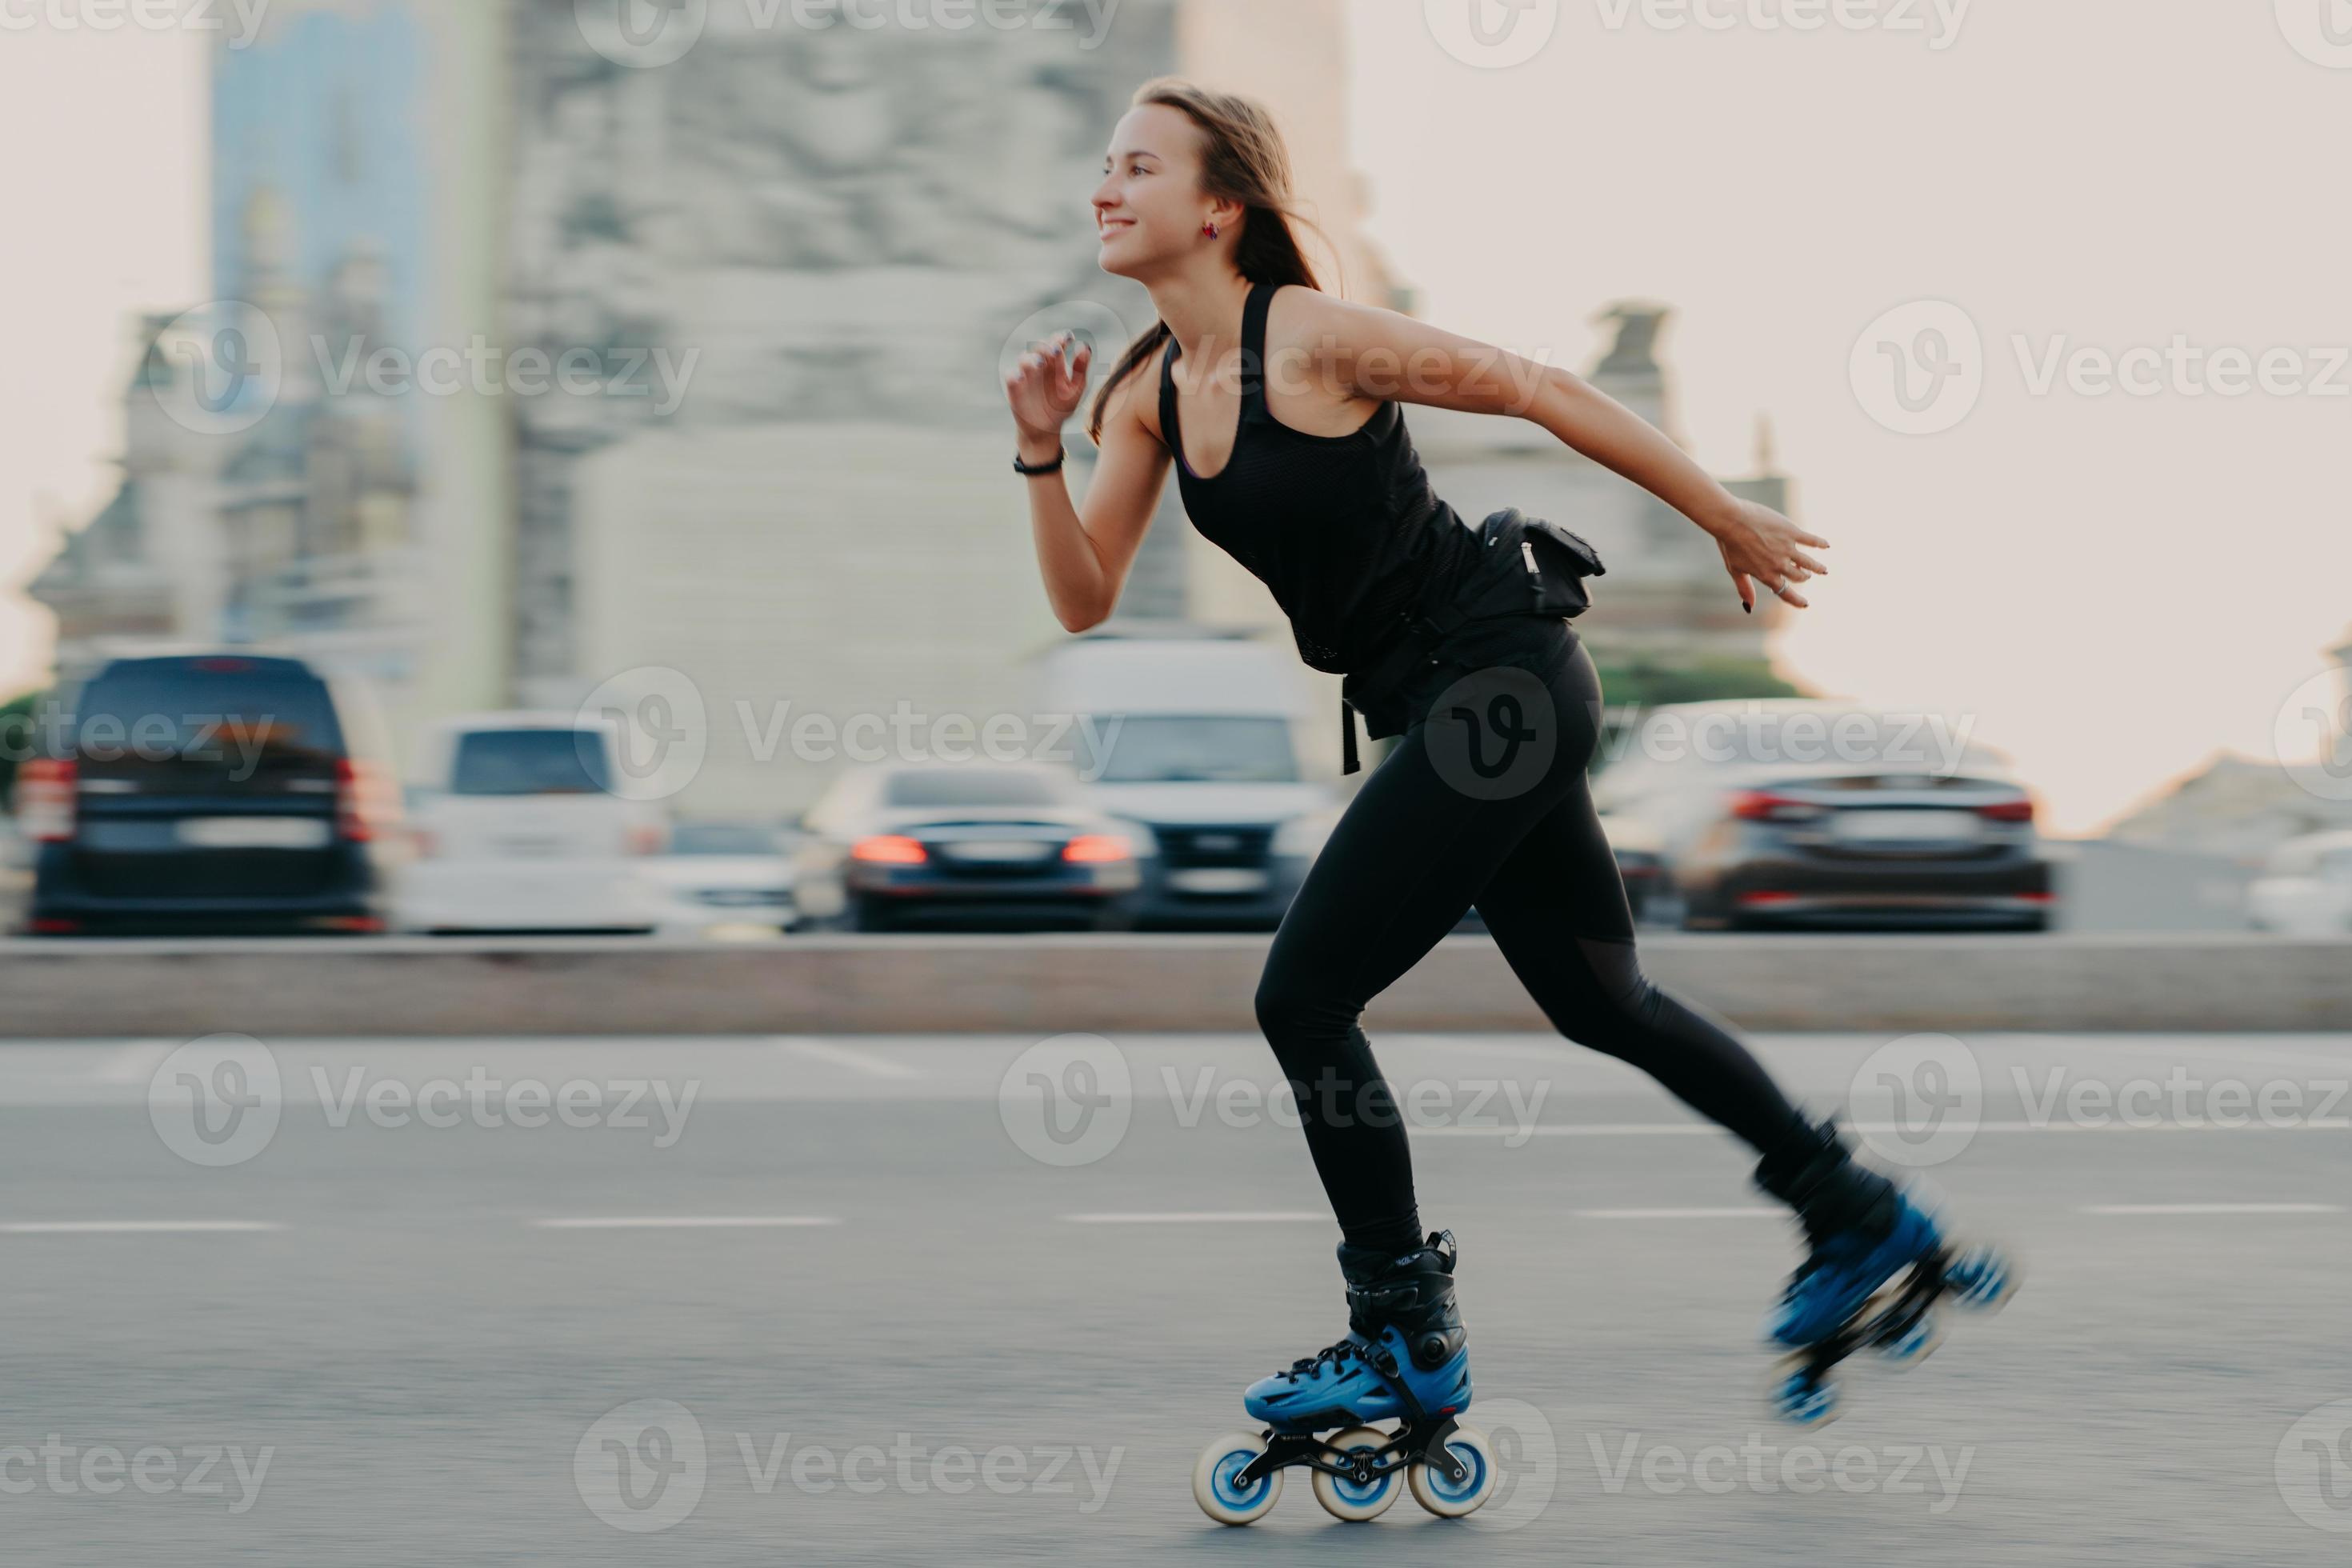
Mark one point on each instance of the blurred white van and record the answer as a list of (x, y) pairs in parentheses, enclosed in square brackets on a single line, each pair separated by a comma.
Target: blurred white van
[(1193, 735), (518, 827)]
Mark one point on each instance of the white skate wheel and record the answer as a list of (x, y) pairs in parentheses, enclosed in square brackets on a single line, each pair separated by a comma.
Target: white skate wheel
[(1212, 1480), (1351, 1501), (1443, 1496)]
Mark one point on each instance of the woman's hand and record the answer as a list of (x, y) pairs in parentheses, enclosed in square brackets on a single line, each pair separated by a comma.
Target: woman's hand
[(1044, 392), (1758, 542)]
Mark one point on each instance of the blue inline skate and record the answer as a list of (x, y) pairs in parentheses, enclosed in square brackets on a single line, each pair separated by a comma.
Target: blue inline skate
[(1877, 1264), (1406, 1358)]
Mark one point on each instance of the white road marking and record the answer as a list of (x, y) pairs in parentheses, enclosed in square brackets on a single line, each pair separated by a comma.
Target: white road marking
[(2212, 1208), (1574, 1130), (1473, 1046), (1684, 1129), (684, 1222), (844, 1057), (1745, 1211), (136, 1064), (130, 1226), (1203, 1217)]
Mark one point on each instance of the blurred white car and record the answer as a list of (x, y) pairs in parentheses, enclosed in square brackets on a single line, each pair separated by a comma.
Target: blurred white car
[(2306, 889), (517, 827), (724, 878)]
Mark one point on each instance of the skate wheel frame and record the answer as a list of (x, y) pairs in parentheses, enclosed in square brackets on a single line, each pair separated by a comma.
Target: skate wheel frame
[(1897, 1320), (1358, 1472)]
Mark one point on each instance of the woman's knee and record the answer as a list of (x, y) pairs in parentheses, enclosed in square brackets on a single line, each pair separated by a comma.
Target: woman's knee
[(1618, 1012), (1296, 1007)]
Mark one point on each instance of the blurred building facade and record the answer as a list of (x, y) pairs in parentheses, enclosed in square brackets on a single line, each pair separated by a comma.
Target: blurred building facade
[(355, 525), (2242, 807), (792, 262)]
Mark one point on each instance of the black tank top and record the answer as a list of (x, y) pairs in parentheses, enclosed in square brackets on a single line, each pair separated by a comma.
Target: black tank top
[(1343, 529)]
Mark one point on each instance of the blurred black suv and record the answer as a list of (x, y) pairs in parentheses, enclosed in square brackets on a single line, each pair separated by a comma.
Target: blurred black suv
[(211, 793)]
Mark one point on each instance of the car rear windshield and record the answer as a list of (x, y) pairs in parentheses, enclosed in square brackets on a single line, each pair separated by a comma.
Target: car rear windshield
[(1134, 748), (228, 709), (976, 786), (531, 762)]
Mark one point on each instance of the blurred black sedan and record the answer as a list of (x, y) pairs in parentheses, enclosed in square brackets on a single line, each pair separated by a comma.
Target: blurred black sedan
[(1002, 846)]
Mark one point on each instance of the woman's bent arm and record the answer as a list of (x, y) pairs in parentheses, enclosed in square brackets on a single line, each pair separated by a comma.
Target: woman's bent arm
[(1084, 559)]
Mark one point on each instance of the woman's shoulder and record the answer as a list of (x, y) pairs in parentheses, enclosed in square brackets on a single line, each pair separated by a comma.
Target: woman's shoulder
[(1302, 302)]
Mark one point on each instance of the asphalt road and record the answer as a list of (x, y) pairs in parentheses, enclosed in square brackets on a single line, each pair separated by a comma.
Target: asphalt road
[(933, 1329)]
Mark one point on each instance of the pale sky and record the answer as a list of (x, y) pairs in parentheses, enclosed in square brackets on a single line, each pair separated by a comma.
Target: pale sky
[(2107, 585)]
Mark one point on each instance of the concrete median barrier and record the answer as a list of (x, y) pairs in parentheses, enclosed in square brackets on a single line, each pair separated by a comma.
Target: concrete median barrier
[(1047, 985)]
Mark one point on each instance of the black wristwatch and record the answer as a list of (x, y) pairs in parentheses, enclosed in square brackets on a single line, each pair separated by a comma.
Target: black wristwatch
[(1053, 467)]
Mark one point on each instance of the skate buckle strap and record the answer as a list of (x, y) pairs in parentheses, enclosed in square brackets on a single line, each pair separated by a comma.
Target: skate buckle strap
[(1336, 1355)]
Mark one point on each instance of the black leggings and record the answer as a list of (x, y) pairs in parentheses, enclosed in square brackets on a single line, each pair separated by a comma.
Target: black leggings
[(1483, 800)]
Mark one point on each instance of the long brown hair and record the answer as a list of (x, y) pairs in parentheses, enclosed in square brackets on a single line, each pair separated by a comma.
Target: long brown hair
[(1243, 159)]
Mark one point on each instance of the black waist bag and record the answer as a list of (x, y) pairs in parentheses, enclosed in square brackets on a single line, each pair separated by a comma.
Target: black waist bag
[(1524, 566)]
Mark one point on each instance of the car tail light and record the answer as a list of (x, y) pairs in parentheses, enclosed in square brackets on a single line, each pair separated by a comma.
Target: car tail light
[(646, 838), (45, 799), (889, 849), (363, 800), (1092, 849), (2018, 810), (47, 926), (1763, 806), (1762, 896)]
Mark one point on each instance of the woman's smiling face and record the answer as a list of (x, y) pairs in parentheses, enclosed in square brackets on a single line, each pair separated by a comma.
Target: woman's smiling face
[(1148, 207)]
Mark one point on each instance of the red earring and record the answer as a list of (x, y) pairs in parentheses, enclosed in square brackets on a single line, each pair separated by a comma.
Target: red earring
[(1210, 228)]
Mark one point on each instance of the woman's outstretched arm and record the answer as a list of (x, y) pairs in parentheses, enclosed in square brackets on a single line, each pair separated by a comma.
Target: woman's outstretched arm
[(1383, 354)]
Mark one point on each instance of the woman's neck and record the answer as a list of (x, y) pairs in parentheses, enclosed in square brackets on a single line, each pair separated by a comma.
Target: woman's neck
[(1205, 317)]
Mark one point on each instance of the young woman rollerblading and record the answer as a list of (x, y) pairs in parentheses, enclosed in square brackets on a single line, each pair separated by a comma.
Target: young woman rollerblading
[(1278, 409)]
